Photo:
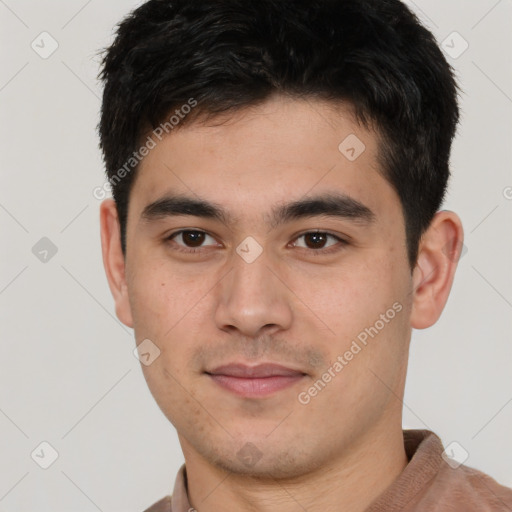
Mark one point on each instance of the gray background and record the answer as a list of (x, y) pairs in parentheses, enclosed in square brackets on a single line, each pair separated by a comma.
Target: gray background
[(67, 372)]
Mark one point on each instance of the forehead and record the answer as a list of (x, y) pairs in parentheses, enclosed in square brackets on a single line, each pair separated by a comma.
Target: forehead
[(280, 150)]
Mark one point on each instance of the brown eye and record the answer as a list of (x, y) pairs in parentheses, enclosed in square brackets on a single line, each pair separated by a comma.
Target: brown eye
[(193, 238), (317, 240)]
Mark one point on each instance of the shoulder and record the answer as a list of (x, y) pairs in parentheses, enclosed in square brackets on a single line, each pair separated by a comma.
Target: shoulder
[(471, 488), (163, 505), (433, 481)]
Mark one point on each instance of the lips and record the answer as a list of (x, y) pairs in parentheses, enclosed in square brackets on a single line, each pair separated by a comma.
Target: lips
[(259, 371), (255, 381)]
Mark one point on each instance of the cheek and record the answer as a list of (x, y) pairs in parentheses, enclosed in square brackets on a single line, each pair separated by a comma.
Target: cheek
[(365, 309), (168, 308), (349, 298), (160, 296), (164, 380)]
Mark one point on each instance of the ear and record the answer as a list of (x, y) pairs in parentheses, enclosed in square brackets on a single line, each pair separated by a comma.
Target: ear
[(439, 251), (114, 261)]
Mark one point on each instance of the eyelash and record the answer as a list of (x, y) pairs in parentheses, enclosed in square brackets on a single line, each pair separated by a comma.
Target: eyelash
[(316, 252)]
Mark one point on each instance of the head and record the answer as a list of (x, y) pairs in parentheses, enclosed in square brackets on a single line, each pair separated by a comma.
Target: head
[(277, 170)]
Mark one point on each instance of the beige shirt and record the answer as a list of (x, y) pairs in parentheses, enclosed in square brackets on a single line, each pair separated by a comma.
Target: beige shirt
[(427, 484)]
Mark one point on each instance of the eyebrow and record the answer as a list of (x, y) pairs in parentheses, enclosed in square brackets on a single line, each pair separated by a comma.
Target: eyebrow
[(327, 205)]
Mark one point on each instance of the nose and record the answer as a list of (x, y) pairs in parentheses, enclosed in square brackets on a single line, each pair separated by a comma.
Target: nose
[(253, 299)]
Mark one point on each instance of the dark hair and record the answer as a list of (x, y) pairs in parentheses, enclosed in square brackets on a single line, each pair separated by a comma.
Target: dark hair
[(227, 55)]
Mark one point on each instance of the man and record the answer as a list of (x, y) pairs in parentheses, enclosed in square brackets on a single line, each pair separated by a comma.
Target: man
[(277, 171)]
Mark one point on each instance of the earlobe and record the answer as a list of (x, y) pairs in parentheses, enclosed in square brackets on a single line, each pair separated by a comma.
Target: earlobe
[(438, 255), (114, 260)]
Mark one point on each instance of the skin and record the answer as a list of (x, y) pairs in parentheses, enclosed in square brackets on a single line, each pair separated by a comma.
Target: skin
[(295, 305)]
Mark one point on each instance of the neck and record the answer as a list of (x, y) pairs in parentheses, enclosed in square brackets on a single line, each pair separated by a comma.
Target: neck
[(349, 482)]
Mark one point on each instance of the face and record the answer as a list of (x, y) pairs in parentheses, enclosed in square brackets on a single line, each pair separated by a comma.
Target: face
[(260, 240)]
